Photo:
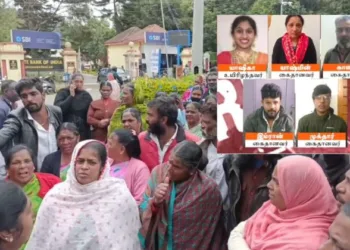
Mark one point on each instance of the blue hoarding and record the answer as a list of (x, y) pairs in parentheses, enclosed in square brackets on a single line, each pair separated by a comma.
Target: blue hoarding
[(37, 40), (154, 38)]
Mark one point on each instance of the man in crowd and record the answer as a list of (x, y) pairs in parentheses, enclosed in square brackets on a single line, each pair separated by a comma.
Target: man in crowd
[(34, 125), (341, 52), (214, 167), (271, 117), (323, 119), (163, 133), (339, 231), (212, 80), (343, 190), (247, 179), (7, 100)]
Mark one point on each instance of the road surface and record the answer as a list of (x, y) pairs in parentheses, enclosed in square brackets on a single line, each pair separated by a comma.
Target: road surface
[(90, 85)]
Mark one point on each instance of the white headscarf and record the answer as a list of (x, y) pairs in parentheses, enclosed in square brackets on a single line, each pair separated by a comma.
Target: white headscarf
[(101, 215)]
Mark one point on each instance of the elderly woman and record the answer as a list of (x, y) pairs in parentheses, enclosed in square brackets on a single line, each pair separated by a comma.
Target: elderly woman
[(57, 163), (294, 47), (193, 117), (20, 165), (16, 216), (298, 215), (74, 102), (101, 111), (175, 211), (124, 151), (132, 120), (90, 210)]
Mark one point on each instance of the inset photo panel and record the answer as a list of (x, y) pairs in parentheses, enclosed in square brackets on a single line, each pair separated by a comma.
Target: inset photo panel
[(335, 45), (321, 113), (242, 40), (294, 46), (268, 109)]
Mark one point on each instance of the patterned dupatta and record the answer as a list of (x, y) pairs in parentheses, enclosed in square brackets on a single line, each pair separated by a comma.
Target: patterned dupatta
[(295, 56), (32, 190)]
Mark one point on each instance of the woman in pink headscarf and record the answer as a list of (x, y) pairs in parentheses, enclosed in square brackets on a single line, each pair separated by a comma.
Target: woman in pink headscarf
[(115, 95), (297, 216)]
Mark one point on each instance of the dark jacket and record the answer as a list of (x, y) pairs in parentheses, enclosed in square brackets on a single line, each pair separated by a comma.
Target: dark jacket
[(255, 122), (5, 109), (18, 129), (278, 56), (335, 168), (234, 166), (333, 56), (75, 109), (52, 164), (313, 123)]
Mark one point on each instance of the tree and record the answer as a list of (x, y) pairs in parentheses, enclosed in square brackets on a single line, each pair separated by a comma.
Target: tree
[(89, 37), (8, 21)]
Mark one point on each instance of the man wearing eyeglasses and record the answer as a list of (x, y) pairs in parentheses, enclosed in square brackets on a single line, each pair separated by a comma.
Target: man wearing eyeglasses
[(323, 119), (341, 52)]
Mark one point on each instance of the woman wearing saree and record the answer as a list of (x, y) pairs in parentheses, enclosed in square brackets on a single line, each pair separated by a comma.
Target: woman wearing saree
[(124, 152), (300, 211), (20, 166), (175, 210), (244, 33), (16, 216), (294, 47), (57, 163), (90, 210), (101, 111), (193, 117)]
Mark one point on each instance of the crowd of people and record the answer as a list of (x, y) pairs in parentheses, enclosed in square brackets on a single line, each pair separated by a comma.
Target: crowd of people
[(73, 182)]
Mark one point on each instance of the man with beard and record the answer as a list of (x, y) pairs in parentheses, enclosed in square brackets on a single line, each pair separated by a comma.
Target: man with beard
[(341, 52), (271, 116), (214, 167), (35, 124), (323, 119), (163, 132), (212, 80)]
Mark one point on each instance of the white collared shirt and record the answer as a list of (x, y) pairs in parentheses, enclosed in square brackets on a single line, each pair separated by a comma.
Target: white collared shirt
[(162, 152), (215, 169), (47, 142)]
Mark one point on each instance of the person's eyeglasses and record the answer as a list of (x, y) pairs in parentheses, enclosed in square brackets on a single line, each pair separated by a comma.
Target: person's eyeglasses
[(323, 97)]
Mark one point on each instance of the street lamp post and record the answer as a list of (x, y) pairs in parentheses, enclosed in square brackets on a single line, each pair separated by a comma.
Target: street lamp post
[(285, 3), (131, 71)]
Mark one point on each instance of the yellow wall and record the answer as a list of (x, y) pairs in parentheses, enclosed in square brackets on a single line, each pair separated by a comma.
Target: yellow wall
[(116, 54), (12, 51)]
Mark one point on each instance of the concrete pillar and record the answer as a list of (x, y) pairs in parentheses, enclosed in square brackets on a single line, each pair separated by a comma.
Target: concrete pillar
[(12, 61), (197, 41), (70, 59)]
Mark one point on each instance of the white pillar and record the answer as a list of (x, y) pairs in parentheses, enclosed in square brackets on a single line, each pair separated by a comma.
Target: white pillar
[(197, 36)]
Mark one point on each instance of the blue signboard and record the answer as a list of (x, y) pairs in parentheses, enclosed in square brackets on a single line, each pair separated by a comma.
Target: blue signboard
[(37, 40), (154, 38)]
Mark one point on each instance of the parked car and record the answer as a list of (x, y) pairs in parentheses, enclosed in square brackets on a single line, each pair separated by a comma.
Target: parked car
[(102, 75)]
